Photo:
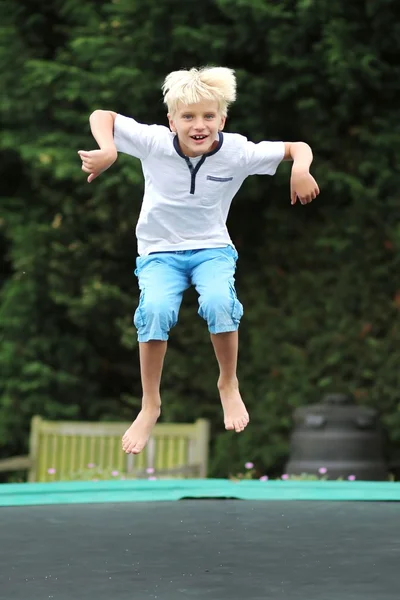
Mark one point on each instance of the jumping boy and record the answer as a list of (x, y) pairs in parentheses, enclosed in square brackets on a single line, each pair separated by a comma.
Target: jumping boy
[(192, 171)]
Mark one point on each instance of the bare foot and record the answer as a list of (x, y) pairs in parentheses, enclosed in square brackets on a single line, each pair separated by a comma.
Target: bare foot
[(236, 416), (136, 437)]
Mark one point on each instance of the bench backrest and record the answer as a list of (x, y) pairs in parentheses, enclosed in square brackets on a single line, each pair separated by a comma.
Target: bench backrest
[(65, 450)]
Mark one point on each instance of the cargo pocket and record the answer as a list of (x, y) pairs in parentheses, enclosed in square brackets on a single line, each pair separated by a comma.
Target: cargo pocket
[(237, 307), (139, 316)]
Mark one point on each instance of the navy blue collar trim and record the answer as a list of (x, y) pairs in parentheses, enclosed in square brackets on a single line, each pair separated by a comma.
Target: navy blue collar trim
[(218, 147)]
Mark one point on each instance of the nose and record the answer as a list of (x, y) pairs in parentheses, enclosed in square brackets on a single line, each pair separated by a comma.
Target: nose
[(199, 124)]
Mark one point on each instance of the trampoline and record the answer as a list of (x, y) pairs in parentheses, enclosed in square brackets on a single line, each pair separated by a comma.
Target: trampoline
[(203, 539)]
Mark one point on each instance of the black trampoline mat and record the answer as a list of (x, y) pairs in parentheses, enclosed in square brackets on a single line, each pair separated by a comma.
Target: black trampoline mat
[(211, 549)]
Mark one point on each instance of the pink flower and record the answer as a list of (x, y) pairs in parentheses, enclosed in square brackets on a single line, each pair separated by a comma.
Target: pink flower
[(150, 470), (351, 478), (248, 465), (51, 471), (152, 478), (322, 470), (115, 473), (264, 478), (91, 466), (285, 476)]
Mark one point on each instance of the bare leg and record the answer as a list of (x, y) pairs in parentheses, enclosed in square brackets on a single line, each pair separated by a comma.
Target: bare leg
[(152, 356), (226, 350)]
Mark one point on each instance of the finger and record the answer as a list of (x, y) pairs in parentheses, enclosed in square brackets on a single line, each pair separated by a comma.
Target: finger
[(85, 169), (88, 164), (83, 153), (91, 177), (293, 197)]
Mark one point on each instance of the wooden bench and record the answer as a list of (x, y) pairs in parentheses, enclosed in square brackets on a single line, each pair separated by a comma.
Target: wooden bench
[(66, 448)]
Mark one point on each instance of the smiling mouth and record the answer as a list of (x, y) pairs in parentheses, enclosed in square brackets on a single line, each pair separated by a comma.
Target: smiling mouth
[(199, 138)]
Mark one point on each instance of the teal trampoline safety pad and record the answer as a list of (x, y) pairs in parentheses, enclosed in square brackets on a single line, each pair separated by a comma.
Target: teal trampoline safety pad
[(87, 492)]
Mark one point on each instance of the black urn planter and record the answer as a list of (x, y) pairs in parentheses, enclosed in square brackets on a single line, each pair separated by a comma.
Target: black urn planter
[(337, 435)]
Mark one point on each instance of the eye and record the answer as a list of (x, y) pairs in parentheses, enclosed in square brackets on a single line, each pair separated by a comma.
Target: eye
[(209, 117), (186, 117)]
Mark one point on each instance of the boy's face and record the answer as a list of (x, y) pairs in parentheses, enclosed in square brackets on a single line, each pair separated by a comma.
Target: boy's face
[(197, 126)]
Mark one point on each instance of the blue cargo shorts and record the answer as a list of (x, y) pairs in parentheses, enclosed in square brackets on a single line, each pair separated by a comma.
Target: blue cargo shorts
[(164, 276)]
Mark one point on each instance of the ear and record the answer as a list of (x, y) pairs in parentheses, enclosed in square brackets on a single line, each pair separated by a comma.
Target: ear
[(171, 123), (222, 123)]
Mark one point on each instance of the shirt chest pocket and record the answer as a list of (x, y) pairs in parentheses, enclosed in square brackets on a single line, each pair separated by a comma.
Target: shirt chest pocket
[(215, 188)]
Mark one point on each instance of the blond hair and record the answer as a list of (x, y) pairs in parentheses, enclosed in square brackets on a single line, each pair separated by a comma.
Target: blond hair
[(206, 83)]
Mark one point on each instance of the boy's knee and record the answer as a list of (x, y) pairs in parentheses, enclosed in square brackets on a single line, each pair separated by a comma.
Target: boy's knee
[(221, 309), (155, 313), (215, 301)]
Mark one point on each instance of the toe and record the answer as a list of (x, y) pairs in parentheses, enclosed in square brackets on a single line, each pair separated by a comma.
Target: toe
[(130, 447), (240, 425), (125, 441), (136, 447)]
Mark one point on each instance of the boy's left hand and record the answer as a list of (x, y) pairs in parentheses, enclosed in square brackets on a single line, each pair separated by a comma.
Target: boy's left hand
[(95, 162), (303, 186)]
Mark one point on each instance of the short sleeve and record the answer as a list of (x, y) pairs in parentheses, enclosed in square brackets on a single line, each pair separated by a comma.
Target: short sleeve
[(263, 158), (131, 137)]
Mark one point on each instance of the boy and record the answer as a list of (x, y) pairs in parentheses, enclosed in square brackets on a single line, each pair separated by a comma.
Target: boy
[(192, 172)]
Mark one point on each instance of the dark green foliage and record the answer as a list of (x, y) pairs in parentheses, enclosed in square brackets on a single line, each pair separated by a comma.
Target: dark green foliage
[(320, 284)]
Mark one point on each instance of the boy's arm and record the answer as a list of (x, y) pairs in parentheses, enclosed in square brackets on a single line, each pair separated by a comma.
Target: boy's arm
[(302, 183), (102, 127), (94, 162)]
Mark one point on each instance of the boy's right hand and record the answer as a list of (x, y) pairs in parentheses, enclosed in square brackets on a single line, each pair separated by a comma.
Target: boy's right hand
[(95, 162)]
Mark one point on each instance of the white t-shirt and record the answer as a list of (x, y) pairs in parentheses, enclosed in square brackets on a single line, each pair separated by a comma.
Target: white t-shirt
[(186, 201)]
